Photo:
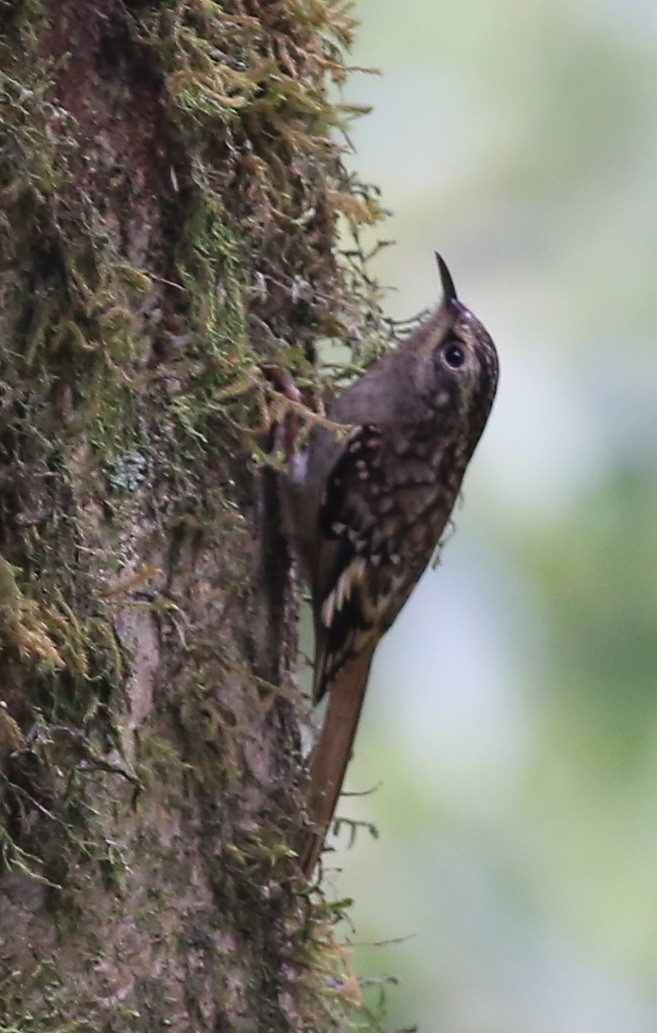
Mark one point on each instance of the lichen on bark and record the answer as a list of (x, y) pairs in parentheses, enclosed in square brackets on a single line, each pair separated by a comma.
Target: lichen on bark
[(171, 192)]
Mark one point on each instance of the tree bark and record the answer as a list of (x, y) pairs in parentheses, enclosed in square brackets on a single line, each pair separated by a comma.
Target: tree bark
[(169, 198)]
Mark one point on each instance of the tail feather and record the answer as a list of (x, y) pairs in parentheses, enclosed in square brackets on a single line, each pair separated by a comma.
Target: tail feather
[(331, 755)]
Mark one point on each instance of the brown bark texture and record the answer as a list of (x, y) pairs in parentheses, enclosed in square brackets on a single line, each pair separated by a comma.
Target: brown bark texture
[(170, 195)]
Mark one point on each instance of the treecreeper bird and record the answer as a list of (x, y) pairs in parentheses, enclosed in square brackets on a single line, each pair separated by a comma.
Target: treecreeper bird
[(365, 511)]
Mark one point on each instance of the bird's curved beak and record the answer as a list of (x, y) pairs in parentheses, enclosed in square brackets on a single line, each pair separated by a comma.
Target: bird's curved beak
[(449, 290)]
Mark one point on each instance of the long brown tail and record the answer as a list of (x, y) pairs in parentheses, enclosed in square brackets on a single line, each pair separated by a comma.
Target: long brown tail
[(331, 755)]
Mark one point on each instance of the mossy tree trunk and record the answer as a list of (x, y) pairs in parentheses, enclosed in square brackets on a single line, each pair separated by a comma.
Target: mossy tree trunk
[(169, 198)]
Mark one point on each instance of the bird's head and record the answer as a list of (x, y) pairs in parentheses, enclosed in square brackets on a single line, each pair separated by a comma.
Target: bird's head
[(456, 364)]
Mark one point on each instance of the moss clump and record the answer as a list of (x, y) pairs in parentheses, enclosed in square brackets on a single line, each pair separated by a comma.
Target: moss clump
[(23, 625)]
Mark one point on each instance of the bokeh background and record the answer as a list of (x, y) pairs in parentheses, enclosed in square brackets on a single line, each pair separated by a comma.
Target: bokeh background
[(512, 715)]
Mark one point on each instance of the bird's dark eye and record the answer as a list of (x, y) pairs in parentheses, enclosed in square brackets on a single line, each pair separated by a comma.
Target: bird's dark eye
[(454, 356)]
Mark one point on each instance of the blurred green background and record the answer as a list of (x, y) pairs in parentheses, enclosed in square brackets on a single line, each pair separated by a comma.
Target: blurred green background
[(512, 715)]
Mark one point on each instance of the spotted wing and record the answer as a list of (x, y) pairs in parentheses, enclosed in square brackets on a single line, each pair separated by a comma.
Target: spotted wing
[(358, 566)]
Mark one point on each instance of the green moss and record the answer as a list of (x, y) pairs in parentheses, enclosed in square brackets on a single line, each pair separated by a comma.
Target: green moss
[(211, 268), (23, 624), (129, 389)]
